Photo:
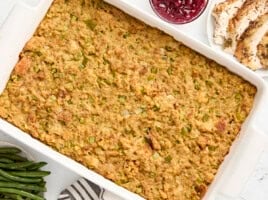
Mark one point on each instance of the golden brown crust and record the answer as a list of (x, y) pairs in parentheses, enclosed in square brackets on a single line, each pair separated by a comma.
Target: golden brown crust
[(22, 66)]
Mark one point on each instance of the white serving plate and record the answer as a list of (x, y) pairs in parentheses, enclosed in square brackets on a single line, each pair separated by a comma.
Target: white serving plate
[(23, 152), (210, 31), (233, 175)]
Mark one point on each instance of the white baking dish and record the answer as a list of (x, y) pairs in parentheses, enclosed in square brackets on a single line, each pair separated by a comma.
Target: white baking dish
[(234, 172)]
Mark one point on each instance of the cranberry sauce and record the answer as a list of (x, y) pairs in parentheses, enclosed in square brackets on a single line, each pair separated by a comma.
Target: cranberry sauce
[(179, 11)]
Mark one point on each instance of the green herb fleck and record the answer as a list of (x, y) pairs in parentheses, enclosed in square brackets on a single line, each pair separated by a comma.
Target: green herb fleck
[(91, 24), (53, 98), (156, 108), (106, 61), (209, 83), (122, 99), (73, 17), (238, 96), (15, 78), (185, 130), (131, 47), (170, 71), (84, 62), (126, 35), (205, 118), (150, 78), (38, 53), (176, 92), (129, 131), (241, 115), (197, 86), (168, 159), (69, 102), (152, 175), (82, 120), (91, 139), (212, 148), (168, 48), (107, 82), (36, 69), (154, 70), (143, 91)]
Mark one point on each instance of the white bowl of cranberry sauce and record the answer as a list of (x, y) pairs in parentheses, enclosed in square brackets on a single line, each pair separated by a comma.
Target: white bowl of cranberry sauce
[(179, 11)]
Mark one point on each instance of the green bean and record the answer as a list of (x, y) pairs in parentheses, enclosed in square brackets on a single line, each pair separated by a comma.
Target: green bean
[(19, 197), (13, 157), (21, 193), (33, 174), (3, 178), (22, 186), (6, 160), (6, 197), (37, 166), (11, 150), (13, 196), (16, 165), (42, 184), (19, 179), (9, 196), (35, 192)]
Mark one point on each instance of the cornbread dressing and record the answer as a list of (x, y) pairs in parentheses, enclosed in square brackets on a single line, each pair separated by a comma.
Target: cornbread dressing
[(126, 100)]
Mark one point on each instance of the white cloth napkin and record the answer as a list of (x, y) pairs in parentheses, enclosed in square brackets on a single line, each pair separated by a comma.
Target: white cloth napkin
[(82, 190)]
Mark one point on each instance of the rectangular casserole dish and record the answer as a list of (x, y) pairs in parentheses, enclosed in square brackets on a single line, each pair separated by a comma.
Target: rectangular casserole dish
[(238, 165)]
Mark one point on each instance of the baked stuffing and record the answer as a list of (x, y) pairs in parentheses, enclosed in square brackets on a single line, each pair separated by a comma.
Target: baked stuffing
[(126, 100)]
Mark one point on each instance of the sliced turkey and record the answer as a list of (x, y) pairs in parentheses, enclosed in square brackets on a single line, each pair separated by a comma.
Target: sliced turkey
[(263, 51), (247, 47), (223, 12), (250, 11)]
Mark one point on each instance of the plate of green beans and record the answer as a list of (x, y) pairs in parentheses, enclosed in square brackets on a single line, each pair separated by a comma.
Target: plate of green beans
[(21, 178)]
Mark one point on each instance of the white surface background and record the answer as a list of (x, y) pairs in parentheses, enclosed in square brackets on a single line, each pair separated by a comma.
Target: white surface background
[(257, 186)]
